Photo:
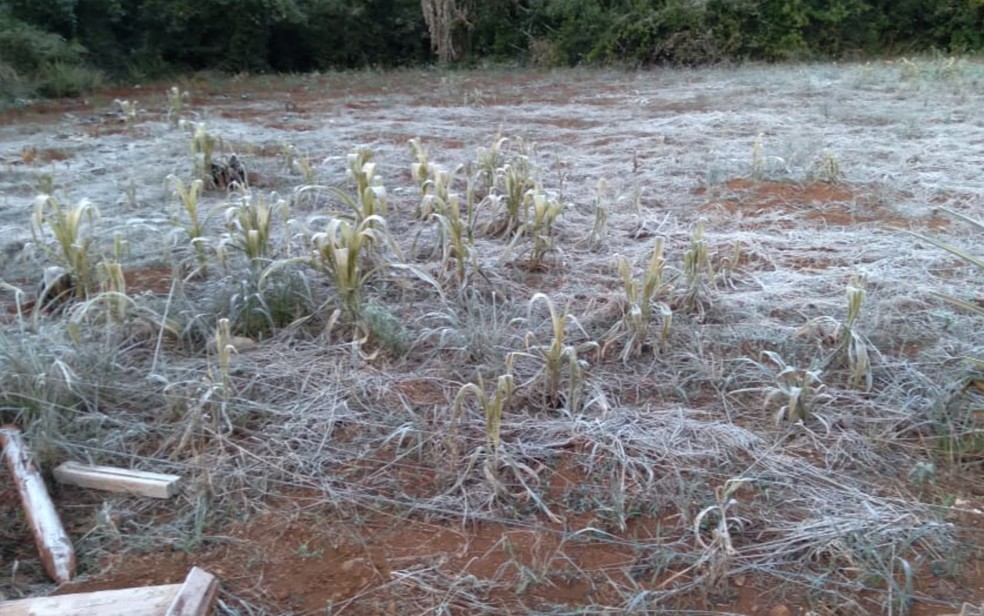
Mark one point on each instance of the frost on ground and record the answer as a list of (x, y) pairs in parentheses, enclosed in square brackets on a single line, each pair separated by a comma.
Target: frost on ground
[(715, 425)]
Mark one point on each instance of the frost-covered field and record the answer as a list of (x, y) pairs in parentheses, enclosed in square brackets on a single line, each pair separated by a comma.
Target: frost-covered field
[(485, 412)]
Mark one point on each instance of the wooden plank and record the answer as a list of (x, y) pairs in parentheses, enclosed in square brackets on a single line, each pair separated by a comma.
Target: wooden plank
[(54, 546), (146, 601), (112, 479), (196, 596)]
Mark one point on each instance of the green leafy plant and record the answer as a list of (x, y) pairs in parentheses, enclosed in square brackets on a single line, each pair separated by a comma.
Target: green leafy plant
[(60, 79)]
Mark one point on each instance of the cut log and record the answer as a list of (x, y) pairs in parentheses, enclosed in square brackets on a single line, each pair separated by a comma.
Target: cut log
[(196, 596), (155, 485), (54, 546)]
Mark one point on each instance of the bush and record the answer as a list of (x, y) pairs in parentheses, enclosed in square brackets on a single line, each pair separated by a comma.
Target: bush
[(675, 33), (40, 62), (61, 79), (26, 48)]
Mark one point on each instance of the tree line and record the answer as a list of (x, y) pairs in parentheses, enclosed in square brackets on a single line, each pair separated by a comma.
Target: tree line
[(58, 47)]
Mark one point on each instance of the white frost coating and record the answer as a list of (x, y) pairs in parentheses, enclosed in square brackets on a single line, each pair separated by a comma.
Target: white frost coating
[(49, 535)]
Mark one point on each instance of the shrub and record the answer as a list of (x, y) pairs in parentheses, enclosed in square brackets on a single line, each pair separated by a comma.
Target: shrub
[(64, 79), (26, 48)]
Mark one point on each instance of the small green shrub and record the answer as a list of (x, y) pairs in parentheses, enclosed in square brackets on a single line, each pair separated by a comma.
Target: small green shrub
[(27, 48)]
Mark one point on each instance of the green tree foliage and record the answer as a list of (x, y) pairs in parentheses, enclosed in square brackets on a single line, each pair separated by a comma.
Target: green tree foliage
[(56, 41)]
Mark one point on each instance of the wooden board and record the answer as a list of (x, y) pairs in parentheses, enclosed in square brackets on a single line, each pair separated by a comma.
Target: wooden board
[(54, 546), (194, 597), (112, 479), (148, 601)]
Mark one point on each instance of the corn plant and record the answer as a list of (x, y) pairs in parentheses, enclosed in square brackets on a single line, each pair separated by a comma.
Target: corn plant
[(224, 349), (45, 184), (249, 223), (697, 271), (556, 355), (728, 265), (295, 161), (795, 391), (288, 157), (340, 252), (420, 169), (758, 158), (113, 282), (370, 200), (436, 192), (126, 109), (175, 104), (72, 246), (599, 227), (489, 161), (344, 252), (518, 183), (848, 339), (719, 551), (493, 406), (855, 344), (455, 238), (362, 170), (909, 69), (203, 146), (826, 169), (471, 203), (640, 298), (543, 212), (189, 219)]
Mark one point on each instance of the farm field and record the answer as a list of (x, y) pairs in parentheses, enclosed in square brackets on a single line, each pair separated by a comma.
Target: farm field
[(509, 342)]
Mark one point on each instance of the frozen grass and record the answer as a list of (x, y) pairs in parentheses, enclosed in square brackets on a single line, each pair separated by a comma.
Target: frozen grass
[(660, 446)]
